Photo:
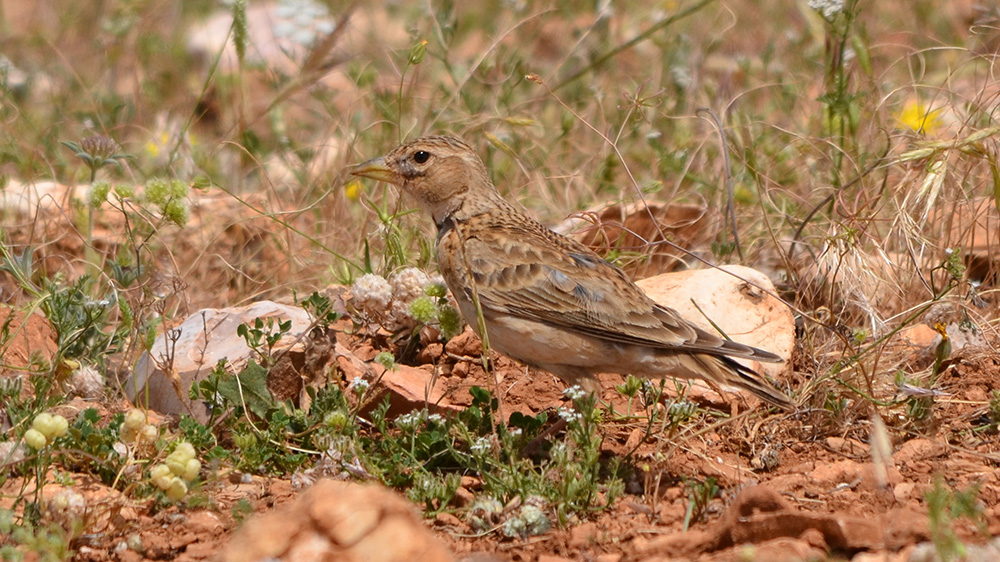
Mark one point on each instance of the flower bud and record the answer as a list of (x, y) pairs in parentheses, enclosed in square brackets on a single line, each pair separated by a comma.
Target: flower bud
[(418, 52)]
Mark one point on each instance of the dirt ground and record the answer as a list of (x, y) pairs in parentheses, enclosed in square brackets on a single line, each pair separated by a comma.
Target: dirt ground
[(804, 485), (813, 484), (790, 489)]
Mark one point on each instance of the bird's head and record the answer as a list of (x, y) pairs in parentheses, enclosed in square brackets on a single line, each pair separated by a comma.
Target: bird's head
[(443, 174)]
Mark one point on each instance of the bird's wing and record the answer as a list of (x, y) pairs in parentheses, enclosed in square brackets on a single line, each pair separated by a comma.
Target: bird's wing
[(545, 277)]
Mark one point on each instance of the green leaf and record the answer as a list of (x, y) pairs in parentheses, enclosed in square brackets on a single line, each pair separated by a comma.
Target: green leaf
[(480, 395), (249, 388), (91, 415), (995, 175), (530, 425), (863, 56)]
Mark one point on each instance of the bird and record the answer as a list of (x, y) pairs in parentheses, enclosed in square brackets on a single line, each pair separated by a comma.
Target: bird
[(547, 300)]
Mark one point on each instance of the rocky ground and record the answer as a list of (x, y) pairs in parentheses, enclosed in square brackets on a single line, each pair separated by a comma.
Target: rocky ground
[(790, 487), (890, 456)]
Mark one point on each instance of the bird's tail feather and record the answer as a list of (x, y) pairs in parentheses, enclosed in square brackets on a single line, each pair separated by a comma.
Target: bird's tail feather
[(728, 372)]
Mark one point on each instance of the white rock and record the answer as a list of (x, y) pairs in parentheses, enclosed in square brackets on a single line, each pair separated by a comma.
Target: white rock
[(742, 310), (206, 337)]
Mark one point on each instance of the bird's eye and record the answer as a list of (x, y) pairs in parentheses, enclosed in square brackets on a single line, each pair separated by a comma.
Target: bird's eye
[(421, 156)]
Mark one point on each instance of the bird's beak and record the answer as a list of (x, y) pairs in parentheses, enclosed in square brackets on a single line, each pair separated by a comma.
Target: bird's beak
[(376, 170)]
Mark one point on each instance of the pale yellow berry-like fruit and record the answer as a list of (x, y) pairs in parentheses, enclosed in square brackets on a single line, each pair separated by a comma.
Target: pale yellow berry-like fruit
[(160, 476), (176, 463), (50, 425), (43, 422), (128, 435), (148, 434), (177, 489), (184, 450), (191, 470), (61, 426), (135, 419), (35, 439)]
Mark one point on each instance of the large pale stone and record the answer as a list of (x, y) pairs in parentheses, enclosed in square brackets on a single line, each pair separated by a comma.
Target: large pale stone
[(161, 380), (736, 299)]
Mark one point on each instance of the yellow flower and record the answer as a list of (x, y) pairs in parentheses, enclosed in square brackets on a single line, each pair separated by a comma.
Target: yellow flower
[(919, 118), (156, 145), (353, 190)]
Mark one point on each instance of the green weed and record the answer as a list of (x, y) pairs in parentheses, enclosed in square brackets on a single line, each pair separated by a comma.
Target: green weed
[(944, 507)]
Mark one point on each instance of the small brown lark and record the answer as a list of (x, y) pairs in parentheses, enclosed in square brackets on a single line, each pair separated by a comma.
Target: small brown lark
[(546, 300)]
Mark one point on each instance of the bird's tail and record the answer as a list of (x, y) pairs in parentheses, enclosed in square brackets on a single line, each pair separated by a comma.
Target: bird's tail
[(728, 372)]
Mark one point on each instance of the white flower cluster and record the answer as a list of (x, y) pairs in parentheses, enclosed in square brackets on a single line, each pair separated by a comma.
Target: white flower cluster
[(413, 420), (360, 385), (574, 392), (372, 293), (485, 513), (829, 8), (407, 285), (647, 386), (87, 383), (302, 21), (67, 506), (389, 300), (569, 415), (410, 421), (481, 446), (530, 520)]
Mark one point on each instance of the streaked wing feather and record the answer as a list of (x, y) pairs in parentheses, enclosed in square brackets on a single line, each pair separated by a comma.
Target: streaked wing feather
[(576, 290)]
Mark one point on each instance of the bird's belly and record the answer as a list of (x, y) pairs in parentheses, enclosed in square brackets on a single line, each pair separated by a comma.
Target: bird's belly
[(565, 353), (553, 349)]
